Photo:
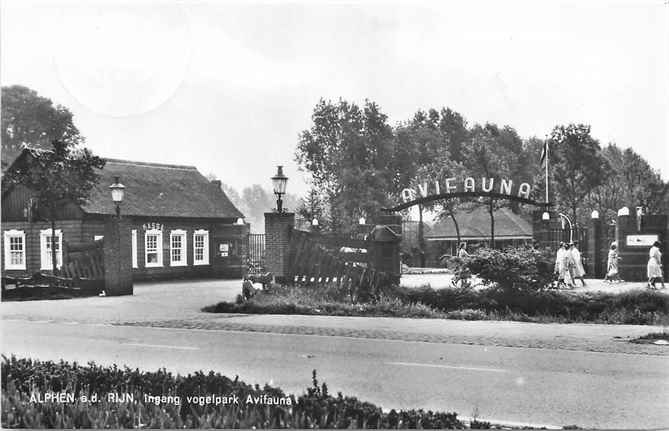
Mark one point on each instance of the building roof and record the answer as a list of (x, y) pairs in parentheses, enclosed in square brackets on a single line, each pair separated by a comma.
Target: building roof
[(158, 190), (153, 189), (475, 224)]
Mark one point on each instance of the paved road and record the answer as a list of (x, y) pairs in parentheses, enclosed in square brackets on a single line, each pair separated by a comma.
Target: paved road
[(502, 371), (517, 385)]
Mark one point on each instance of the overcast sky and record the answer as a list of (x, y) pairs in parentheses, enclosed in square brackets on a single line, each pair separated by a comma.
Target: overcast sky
[(227, 87)]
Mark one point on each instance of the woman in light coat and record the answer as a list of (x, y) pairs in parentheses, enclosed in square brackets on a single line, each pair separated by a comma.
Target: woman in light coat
[(561, 264), (655, 266), (576, 265), (612, 264)]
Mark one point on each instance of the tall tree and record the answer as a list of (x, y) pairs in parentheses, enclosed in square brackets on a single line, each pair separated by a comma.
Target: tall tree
[(493, 153), (33, 120), (577, 165), (347, 151), (65, 174), (630, 181)]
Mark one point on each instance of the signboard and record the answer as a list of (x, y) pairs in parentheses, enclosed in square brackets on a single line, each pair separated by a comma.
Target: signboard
[(224, 249), (152, 226), (468, 187), (641, 240)]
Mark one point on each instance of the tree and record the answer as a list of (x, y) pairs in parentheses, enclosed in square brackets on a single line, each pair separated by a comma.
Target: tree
[(493, 153), (347, 152), (428, 146), (57, 177), (29, 119), (630, 181), (577, 165)]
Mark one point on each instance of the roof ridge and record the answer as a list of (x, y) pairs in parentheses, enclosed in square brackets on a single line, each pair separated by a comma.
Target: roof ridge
[(150, 164)]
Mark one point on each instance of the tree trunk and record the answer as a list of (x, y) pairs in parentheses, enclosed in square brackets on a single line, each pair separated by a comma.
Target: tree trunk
[(491, 211), (457, 226), (421, 236)]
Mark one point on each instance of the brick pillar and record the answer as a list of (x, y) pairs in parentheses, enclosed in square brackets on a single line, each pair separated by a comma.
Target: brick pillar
[(117, 257), (596, 258), (278, 227)]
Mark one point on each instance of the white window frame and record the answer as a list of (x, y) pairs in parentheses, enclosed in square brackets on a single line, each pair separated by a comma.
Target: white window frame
[(44, 242), (182, 234), (159, 248), (134, 248), (8, 235), (205, 246)]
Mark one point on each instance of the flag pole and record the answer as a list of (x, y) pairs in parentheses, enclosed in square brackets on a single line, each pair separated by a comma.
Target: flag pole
[(546, 147)]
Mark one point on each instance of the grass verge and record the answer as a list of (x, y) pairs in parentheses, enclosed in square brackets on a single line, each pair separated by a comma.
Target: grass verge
[(636, 307)]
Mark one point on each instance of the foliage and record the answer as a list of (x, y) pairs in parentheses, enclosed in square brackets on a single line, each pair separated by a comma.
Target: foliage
[(514, 268), (493, 303), (636, 308), (56, 178), (630, 181), (347, 152), (576, 165), (316, 408), (254, 201), (30, 119)]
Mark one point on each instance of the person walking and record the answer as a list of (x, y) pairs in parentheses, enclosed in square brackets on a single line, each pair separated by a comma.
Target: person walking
[(654, 266), (560, 265), (576, 264), (612, 265)]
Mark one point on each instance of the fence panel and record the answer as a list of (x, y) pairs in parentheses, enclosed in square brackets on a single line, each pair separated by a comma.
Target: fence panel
[(257, 249)]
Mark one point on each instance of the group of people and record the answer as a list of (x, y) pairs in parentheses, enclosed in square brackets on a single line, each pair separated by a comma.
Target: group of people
[(569, 265)]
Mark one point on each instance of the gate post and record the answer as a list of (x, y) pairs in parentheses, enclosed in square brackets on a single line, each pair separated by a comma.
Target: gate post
[(595, 249), (384, 253), (278, 228), (117, 254), (635, 237)]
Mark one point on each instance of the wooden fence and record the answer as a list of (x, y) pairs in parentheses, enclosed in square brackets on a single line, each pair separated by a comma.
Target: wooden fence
[(315, 259), (84, 261)]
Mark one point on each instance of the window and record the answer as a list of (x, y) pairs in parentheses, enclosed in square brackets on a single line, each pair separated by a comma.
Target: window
[(153, 248), (45, 249), (134, 248), (15, 249), (201, 247), (178, 247)]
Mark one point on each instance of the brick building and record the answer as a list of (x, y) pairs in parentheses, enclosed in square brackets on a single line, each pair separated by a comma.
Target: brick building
[(182, 225)]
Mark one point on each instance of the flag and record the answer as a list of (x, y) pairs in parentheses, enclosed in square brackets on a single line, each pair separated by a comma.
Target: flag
[(544, 152)]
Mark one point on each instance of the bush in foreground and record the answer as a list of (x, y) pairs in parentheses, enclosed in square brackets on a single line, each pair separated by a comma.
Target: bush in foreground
[(316, 408)]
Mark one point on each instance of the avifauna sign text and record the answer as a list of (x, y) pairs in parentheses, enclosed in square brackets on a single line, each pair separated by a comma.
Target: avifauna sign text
[(448, 188)]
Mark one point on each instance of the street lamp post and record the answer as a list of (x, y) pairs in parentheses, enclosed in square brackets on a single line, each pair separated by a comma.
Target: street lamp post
[(117, 192), (571, 227), (279, 185)]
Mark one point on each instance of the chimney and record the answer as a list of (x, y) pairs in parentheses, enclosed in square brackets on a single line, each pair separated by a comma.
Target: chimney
[(216, 183)]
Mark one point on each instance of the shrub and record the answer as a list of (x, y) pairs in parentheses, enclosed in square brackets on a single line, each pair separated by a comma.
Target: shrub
[(510, 269), (314, 409)]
